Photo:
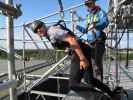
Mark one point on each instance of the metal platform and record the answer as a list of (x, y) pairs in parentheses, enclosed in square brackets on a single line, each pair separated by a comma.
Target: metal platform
[(85, 95), (56, 88)]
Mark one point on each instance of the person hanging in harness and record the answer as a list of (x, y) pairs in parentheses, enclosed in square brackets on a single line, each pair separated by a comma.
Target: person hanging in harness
[(97, 21), (81, 67)]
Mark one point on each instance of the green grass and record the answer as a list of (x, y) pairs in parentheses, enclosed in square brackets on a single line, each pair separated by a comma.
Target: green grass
[(44, 54), (124, 56), (36, 54), (3, 55)]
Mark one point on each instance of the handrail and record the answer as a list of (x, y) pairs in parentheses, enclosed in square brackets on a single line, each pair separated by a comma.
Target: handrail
[(8, 84), (48, 93), (30, 69), (51, 70), (31, 38), (55, 13), (126, 73), (16, 55)]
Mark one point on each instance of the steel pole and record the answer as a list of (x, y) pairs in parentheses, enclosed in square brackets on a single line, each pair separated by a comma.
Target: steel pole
[(74, 20), (116, 40), (10, 52), (61, 9)]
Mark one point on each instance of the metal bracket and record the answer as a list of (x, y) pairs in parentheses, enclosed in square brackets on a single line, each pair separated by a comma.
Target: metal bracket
[(10, 10)]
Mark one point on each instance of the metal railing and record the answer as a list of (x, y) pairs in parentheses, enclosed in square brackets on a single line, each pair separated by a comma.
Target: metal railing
[(54, 68)]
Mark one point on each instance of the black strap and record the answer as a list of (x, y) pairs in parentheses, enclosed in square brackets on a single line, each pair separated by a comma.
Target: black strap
[(103, 36), (62, 24)]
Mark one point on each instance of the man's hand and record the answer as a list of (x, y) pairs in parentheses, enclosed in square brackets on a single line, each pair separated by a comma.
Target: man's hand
[(76, 47), (84, 64), (80, 18)]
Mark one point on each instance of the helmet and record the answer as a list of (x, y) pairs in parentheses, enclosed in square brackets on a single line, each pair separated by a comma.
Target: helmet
[(90, 1), (37, 24)]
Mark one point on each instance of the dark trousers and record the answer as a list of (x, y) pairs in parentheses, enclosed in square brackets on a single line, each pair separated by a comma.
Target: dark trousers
[(97, 60), (76, 74)]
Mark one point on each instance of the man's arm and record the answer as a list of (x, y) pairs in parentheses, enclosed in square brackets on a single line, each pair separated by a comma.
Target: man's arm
[(81, 29), (103, 21), (74, 44)]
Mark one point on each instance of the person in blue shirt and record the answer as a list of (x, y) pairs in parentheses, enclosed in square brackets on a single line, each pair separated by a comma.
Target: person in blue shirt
[(97, 21)]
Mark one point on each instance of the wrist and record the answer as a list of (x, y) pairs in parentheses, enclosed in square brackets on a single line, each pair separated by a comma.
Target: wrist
[(82, 59)]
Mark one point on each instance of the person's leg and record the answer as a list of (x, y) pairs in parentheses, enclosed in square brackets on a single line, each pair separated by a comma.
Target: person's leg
[(87, 52), (93, 61), (75, 73), (100, 85), (97, 60), (88, 74)]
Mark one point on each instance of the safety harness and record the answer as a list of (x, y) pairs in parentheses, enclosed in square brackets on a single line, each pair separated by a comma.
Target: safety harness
[(61, 44), (93, 18)]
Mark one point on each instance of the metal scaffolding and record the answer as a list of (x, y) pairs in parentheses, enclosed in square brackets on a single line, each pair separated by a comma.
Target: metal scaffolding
[(54, 69)]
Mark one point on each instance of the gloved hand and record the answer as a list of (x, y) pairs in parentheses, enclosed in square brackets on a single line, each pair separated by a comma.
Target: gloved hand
[(80, 18), (91, 26)]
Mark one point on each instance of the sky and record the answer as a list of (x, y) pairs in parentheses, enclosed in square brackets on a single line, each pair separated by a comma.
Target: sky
[(34, 9), (38, 8)]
